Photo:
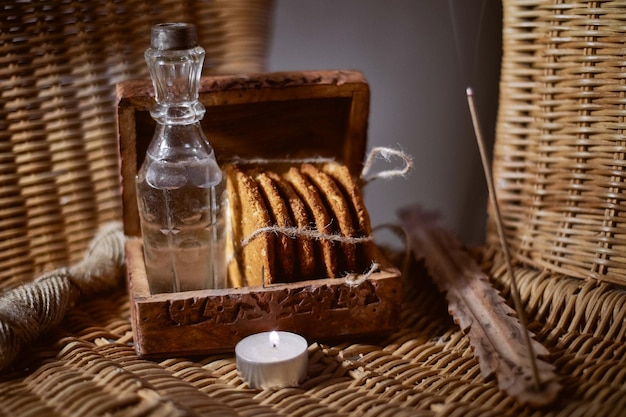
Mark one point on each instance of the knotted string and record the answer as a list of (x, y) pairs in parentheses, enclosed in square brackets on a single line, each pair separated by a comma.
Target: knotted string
[(294, 232), (376, 153), (387, 154), (380, 152), (354, 280), (34, 308), (264, 161)]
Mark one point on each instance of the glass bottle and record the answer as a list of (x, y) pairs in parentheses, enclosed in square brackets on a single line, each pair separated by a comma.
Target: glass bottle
[(179, 184)]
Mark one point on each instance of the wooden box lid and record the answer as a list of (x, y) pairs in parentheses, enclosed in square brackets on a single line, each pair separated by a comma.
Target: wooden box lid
[(268, 115)]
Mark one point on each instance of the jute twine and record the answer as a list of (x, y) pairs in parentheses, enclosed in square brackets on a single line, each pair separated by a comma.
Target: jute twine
[(352, 279), (31, 309), (312, 234), (387, 154)]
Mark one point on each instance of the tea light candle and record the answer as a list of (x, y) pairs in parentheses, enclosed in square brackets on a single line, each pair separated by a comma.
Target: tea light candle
[(272, 359)]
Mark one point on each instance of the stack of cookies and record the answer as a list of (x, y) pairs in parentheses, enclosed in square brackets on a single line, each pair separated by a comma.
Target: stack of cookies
[(295, 223)]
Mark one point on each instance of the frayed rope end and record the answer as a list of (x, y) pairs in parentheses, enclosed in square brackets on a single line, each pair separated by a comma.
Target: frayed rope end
[(387, 154)]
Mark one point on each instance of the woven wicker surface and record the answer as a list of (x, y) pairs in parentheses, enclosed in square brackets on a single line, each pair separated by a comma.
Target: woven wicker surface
[(60, 61), (89, 367), (58, 183), (560, 142)]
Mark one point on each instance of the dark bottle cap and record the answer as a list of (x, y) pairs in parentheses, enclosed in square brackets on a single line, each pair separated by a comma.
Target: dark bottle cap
[(173, 36)]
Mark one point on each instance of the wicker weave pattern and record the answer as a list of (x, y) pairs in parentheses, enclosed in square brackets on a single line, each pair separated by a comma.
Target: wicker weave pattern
[(58, 149), (58, 179), (426, 368), (560, 146)]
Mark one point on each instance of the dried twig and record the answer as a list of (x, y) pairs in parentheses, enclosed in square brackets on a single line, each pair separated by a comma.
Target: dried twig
[(493, 330)]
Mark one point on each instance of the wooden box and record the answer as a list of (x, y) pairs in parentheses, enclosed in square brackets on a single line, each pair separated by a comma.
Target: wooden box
[(269, 116)]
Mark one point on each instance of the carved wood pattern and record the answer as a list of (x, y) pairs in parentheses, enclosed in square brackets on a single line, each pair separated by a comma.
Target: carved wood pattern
[(265, 305), (199, 322)]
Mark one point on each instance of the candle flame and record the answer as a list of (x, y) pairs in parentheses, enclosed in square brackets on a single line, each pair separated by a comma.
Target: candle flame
[(274, 338)]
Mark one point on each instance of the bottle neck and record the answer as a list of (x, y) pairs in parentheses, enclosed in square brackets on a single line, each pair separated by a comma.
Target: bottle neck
[(176, 79)]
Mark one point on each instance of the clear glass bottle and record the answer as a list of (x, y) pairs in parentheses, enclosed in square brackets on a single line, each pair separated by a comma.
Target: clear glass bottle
[(179, 184)]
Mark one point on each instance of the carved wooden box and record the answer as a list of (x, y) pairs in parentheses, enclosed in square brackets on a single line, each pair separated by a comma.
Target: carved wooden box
[(269, 116)]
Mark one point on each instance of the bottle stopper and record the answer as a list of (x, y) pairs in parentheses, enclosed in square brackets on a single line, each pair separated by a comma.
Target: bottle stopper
[(173, 36)]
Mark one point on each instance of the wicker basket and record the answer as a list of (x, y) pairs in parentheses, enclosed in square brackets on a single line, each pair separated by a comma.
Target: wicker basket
[(89, 367), (559, 159), (58, 140)]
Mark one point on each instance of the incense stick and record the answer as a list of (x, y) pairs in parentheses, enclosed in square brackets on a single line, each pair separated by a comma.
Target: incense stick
[(499, 226)]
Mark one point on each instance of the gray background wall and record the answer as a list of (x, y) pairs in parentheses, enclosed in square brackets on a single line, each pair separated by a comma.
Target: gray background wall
[(417, 77)]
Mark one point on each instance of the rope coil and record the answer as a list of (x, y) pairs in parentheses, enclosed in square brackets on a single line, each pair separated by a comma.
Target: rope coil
[(31, 309)]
